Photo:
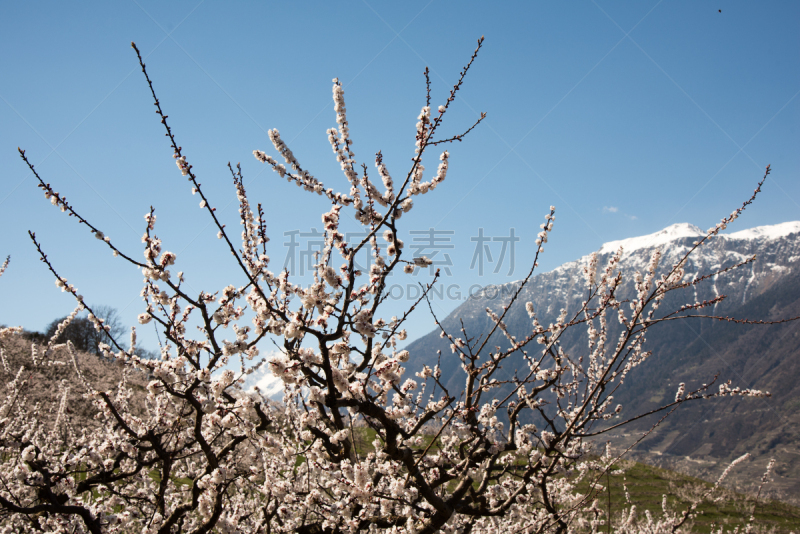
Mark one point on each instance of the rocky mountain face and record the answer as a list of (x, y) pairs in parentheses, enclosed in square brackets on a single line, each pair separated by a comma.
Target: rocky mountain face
[(699, 438)]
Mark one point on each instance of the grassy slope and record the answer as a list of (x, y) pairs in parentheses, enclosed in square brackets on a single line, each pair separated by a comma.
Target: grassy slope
[(646, 486)]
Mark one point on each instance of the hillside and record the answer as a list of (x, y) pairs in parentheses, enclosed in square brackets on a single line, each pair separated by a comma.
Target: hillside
[(630, 483), (703, 437), (46, 383)]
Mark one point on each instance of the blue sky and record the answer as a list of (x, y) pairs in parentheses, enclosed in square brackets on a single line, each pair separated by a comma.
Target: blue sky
[(627, 116)]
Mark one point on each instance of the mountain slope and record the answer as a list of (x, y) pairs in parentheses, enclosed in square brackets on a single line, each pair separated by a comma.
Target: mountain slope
[(694, 352)]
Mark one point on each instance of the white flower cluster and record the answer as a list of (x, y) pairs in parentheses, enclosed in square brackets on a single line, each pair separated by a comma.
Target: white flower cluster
[(185, 168), (546, 227)]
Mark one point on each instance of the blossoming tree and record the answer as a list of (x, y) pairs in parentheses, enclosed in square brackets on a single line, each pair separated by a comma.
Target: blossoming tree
[(201, 454)]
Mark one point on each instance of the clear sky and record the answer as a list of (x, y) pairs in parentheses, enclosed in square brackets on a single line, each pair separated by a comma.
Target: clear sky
[(627, 116)]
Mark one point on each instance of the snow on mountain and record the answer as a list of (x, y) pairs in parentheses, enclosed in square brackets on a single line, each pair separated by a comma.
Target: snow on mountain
[(662, 237), (681, 230), (269, 384), (776, 247), (767, 232)]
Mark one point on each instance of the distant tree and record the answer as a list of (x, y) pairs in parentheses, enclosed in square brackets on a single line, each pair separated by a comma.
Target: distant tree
[(32, 336), (147, 354), (83, 333)]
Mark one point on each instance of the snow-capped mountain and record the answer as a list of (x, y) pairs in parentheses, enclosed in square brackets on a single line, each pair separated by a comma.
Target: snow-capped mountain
[(761, 357), (681, 230), (776, 248)]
